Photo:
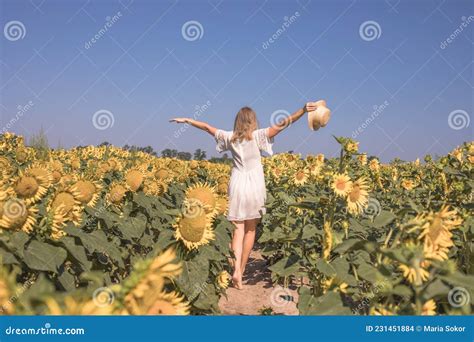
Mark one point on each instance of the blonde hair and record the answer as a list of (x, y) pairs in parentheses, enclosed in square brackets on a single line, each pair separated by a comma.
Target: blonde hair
[(244, 125)]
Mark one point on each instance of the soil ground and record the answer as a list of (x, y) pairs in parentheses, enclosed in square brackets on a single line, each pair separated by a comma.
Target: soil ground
[(258, 293)]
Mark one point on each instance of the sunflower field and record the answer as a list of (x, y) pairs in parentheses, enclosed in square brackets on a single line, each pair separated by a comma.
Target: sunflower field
[(360, 237), (101, 230)]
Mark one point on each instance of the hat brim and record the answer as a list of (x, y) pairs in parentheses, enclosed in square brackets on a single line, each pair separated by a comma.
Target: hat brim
[(319, 118)]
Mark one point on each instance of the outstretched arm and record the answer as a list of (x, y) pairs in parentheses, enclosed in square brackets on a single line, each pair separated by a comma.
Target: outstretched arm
[(198, 124), (286, 122)]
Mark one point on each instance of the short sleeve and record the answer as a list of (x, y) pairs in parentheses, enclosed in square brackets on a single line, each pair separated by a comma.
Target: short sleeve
[(222, 140), (264, 143)]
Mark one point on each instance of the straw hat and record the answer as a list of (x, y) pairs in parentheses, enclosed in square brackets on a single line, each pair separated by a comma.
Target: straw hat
[(320, 117)]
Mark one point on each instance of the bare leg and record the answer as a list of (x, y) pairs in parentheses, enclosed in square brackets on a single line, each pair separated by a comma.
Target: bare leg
[(249, 239), (237, 243)]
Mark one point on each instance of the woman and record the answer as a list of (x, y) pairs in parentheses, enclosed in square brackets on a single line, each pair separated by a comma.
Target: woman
[(247, 191)]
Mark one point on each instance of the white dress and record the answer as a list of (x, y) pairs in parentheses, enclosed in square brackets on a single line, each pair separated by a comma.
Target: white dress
[(247, 192)]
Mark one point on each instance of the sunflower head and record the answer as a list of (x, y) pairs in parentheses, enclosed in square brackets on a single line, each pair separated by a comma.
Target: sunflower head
[(134, 179), (223, 279), (86, 192), (116, 193), (358, 197), (194, 230), (204, 194), (341, 184)]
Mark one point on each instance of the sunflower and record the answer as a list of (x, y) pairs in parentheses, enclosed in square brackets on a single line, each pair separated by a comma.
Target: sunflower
[(16, 215), (134, 179), (429, 308), (358, 197), (7, 292), (222, 204), (408, 184), (300, 177), (436, 232), (86, 192), (374, 165), (154, 187), (75, 163), (64, 207), (72, 306), (341, 184), (204, 194), (415, 273), (458, 154), (223, 279), (351, 147), (379, 310), (145, 293), (116, 194), (194, 230), (362, 158), (162, 174), (29, 189), (41, 173)]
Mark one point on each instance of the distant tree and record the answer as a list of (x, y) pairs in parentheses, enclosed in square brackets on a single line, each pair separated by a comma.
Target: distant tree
[(104, 143), (199, 154), (184, 155), (167, 153), (39, 142)]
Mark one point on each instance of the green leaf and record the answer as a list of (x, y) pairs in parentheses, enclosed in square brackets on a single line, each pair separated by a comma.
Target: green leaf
[(436, 288), (44, 257), (328, 304), (18, 241), (77, 251), (383, 219), (194, 276), (325, 268), (67, 281), (7, 258), (286, 266), (132, 227)]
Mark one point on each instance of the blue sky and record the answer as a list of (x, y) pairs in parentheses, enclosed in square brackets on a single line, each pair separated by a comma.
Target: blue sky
[(146, 68)]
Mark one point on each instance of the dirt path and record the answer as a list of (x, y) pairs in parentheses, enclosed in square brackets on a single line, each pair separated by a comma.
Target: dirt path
[(258, 293)]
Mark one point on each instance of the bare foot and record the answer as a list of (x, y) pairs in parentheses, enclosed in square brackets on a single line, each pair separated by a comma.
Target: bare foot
[(237, 280)]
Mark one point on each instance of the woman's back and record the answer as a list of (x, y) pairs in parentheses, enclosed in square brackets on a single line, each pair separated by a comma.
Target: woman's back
[(246, 153)]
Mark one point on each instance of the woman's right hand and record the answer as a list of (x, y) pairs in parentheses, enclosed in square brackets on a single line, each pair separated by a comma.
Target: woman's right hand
[(310, 106), (179, 120)]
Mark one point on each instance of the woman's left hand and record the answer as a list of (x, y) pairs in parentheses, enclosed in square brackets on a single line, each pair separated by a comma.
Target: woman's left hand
[(310, 106), (179, 120)]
